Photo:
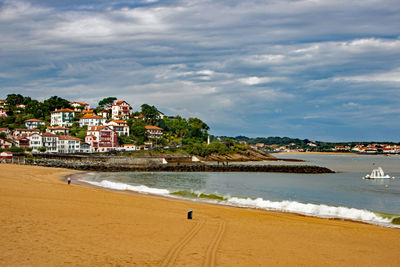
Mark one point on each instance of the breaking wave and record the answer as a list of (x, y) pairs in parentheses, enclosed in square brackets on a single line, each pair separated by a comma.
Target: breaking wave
[(317, 210), (121, 186)]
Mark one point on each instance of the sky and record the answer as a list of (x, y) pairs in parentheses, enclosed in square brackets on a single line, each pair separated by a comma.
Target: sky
[(318, 69)]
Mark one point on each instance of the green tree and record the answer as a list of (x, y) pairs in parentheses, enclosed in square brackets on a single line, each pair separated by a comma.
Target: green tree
[(54, 103), (106, 101), (125, 139), (14, 99), (150, 113)]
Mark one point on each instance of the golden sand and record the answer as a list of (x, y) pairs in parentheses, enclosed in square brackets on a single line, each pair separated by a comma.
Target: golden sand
[(45, 222)]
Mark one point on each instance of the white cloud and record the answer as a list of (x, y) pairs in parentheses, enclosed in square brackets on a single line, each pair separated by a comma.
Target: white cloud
[(15, 10), (259, 80), (385, 77)]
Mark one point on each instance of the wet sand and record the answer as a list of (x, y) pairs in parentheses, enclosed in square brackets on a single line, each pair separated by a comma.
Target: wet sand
[(45, 222)]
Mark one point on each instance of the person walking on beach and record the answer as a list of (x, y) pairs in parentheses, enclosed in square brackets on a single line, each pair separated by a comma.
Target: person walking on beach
[(68, 180)]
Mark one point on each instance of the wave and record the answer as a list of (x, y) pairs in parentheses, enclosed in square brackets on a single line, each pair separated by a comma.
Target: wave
[(121, 186), (317, 210)]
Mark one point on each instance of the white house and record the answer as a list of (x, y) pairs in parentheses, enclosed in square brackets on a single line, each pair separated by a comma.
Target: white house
[(62, 117), (50, 142), (4, 143), (24, 132), (79, 106), (101, 138), (104, 114), (153, 131), (68, 144), (91, 120), (119, 126), (3, 113), (35, 141), (58, 130), (120, 110), (130, 147), (33, 123)]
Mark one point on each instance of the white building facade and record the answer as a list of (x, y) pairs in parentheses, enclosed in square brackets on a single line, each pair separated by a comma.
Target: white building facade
[(62, 117), (91, 120)]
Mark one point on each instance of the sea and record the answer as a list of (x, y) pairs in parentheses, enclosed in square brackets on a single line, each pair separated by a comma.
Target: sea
[(341, 195)]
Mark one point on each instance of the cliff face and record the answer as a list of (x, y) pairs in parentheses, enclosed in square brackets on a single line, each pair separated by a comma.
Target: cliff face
[(248, 155)]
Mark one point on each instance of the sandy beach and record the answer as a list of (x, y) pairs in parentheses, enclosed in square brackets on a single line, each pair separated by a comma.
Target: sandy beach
[(45, 222)]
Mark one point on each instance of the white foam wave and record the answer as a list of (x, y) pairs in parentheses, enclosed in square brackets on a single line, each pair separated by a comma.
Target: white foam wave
[(121, 186), (318, 210), (321, 210)]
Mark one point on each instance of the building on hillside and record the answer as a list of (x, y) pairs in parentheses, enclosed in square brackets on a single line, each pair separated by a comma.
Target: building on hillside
[(153, 131), (33, 123), (4, 143), (80, 106), (2, 103), (312, 144), (101, 138), (6, 157), (120, 110), (22, 141), (341, 148), (119, 126), (35, 141), (140, 116), (68, 144), (85, 147), (130, 147), (62, 117), (58, 130), (50, 142), (88, 112), (21, 106), (104, 114), (91, 120), (24, 132), (3, 113), (259, 145), (6, 131)]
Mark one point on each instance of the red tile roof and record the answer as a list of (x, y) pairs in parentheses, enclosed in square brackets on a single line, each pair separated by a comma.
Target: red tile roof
[(57, 128), (119, 121), (80, 103), (34, 120), (90, 116), (150, 127), (68, 137), (47, 134), (63, 110)]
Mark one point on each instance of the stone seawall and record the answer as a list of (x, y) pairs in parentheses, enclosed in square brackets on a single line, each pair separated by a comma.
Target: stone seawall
[(155, 166)]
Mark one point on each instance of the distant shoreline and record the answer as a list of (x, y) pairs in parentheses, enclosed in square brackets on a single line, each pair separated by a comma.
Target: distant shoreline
[(326, 153)]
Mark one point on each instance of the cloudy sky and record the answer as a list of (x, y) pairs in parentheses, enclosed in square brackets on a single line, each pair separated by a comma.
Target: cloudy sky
[(319, 69)]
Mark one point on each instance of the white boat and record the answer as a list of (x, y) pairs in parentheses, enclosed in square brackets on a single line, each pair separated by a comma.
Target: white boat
[(377, 174)]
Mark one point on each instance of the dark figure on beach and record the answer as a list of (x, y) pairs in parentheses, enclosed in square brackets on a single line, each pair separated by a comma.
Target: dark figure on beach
[(69, 180)]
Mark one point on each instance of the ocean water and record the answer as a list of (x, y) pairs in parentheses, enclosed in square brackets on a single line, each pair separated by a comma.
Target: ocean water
[(343, 194)]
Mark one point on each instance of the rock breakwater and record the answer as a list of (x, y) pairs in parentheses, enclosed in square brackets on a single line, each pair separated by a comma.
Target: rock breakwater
[(155, 166)]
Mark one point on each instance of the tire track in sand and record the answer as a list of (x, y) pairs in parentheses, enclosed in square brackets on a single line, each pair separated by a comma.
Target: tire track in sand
[(169, 260), (212, 249)]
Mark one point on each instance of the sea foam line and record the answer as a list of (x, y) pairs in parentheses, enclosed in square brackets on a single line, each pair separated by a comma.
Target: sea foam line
[(122, 186), (317, 210)]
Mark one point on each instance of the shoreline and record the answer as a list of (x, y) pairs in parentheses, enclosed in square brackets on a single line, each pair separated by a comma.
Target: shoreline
[(72, 224), (78, 181), (321, 153)]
